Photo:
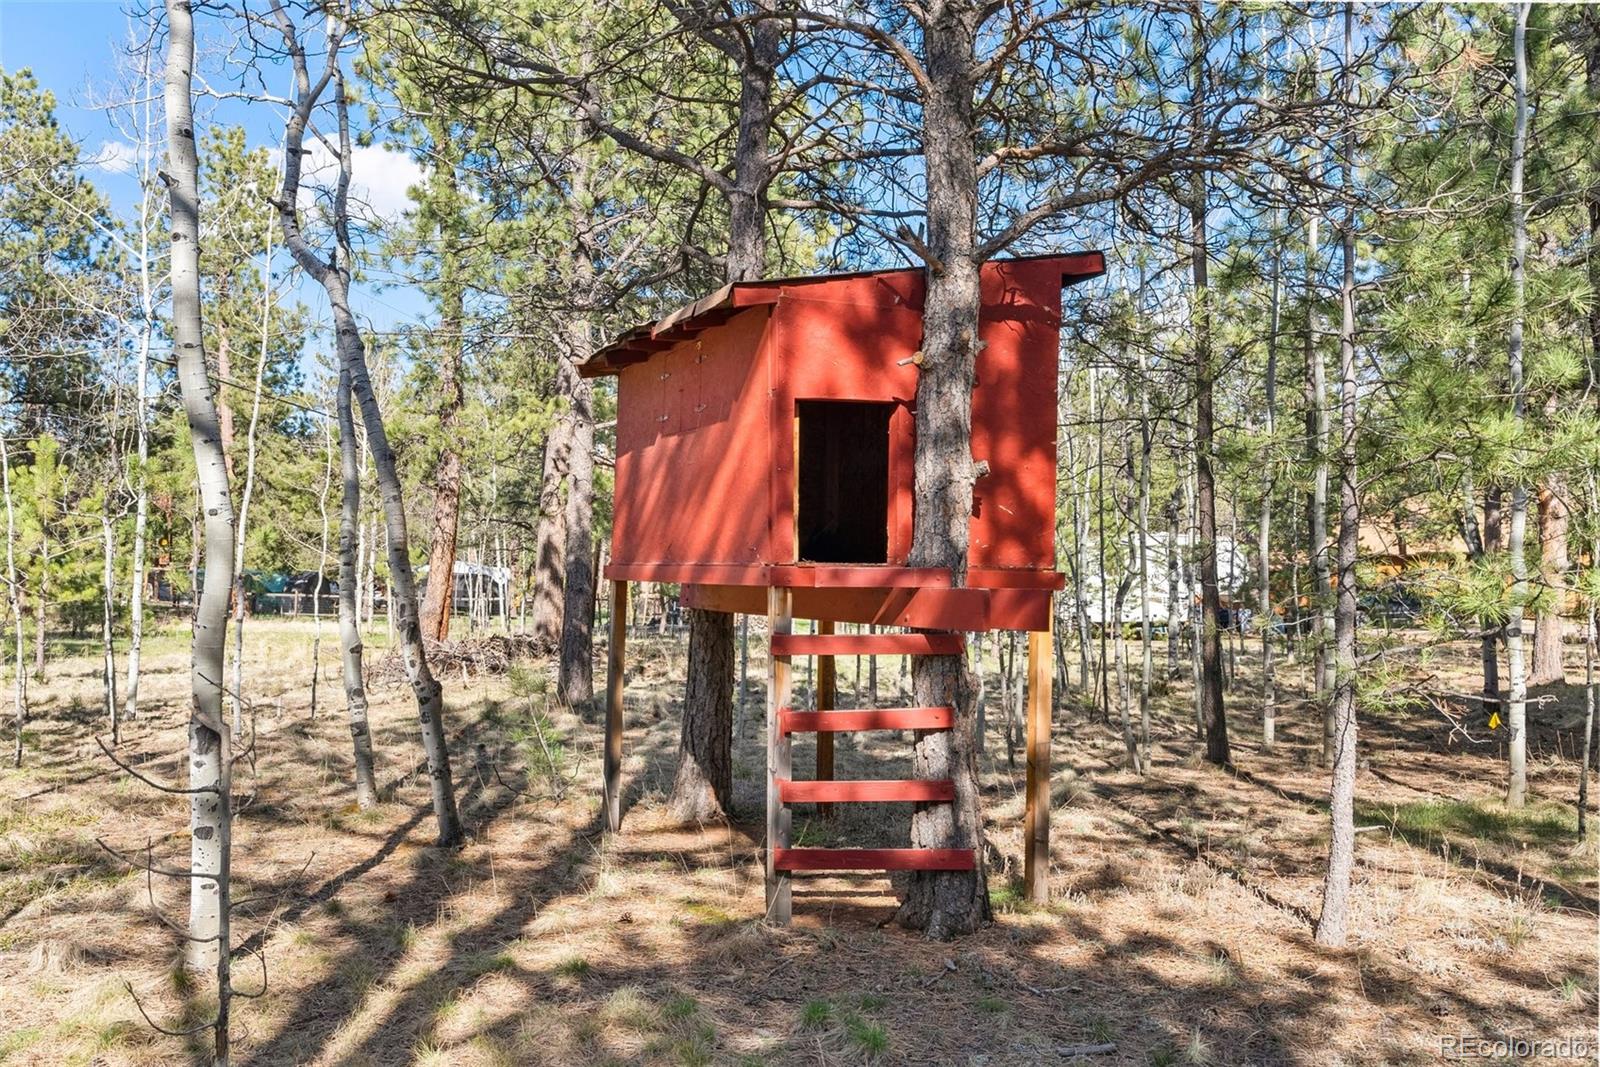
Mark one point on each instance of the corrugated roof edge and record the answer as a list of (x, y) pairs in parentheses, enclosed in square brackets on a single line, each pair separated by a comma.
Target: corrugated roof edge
[(637, 344)]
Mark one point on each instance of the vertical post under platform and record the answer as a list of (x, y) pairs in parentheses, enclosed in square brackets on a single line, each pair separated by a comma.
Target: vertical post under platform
[(1036, 861), (827, 700), (615, 680), (779, 756)]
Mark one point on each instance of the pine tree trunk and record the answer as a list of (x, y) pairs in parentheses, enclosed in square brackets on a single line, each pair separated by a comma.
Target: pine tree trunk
[(1316, 392), (703, 787), (550, 531), (576, 673), (446, 481), (710, 706), (1553, 521), (1517, 697), (1213, 715), (350, 646), (1332, 924), (209, 756), (575, 679)]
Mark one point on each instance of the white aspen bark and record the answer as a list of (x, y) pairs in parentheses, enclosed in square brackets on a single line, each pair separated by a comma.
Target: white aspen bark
[(350, 647), (322, 569), (1591, 681), (1130, 740), (1269, 711), (361, 583), (108, 604), (1147, 652), (334, 277), (1174, 584), (249, 488), (141, 486), (40, 601), (14, 591), (1516, 540), (210, 762), (1103, 676)]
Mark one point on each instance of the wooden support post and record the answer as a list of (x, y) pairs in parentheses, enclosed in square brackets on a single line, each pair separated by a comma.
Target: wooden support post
[(780, 620), (615, 681), (827, 700), (1036, 861)]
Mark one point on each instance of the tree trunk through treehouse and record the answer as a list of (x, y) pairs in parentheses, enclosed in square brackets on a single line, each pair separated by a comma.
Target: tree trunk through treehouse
[(945, 904), (1554, 517)]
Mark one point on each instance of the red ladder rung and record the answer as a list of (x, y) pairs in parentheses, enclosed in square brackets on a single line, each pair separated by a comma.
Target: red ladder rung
[(823, 722), (872, 859), (914, 644), (885, 790)]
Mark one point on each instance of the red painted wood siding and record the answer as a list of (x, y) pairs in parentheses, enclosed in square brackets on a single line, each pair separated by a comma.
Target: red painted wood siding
[(883, 790), (706, 433), (912, 644), (791, 721), (693, 457), (872, 859)]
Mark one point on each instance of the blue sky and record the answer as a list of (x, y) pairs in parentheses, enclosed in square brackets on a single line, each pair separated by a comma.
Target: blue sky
[(73, 48)]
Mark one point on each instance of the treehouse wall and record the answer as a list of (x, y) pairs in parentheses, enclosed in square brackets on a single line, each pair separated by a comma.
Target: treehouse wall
[(694, 452), (706, 435)]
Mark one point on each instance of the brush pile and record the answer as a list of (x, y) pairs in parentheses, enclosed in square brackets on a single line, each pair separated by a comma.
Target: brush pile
[(475, 655)]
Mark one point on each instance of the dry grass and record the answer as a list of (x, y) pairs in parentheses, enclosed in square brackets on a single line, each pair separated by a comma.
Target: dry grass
[(1179, 929)]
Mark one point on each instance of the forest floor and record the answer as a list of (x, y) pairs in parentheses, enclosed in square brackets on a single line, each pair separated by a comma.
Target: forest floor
[(1180, 930)]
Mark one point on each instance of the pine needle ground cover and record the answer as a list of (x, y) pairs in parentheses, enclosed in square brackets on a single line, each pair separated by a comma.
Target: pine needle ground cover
[(1180, 930)]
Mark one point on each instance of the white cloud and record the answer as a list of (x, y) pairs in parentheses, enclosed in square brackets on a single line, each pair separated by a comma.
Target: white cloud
[(116, 157), (378, 182)]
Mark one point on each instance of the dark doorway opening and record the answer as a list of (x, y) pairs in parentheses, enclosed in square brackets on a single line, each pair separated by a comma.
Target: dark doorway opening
[(843, 473)]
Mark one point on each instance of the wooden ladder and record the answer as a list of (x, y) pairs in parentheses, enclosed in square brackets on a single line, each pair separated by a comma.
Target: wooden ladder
[(784, 721)]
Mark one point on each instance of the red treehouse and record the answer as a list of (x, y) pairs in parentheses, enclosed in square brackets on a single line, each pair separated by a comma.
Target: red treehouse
[(765, 437)]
